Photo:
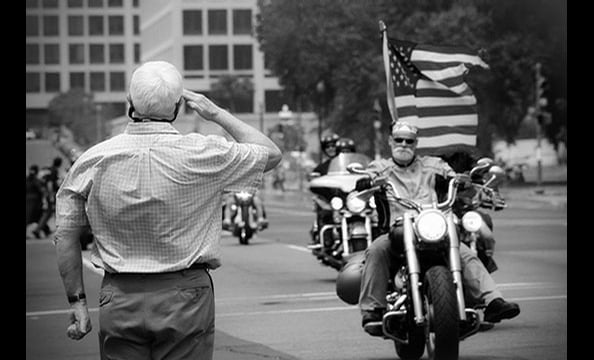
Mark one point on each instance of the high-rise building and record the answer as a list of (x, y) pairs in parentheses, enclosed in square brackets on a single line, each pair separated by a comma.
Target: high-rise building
[(96, 44)]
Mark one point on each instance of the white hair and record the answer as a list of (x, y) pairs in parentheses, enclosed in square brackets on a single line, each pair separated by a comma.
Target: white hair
[(155, 88)]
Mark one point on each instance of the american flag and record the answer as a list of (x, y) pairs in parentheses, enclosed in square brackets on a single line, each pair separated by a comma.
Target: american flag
[(429, 91)]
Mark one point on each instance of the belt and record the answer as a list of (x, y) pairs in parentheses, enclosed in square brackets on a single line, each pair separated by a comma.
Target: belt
[(198, 266)]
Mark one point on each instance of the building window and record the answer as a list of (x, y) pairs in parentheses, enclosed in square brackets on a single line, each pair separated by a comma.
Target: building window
[(115, 3), (116, 25), (245, 104), (52, 82), (77, 80), (76, 53), (97, 81), (51, 54), (193, 57), (75, 3), (32, 25), (117, 81), (31, 4), (242, 22), (242, 57), (32, 54), (95, 25), (217, 22), (33, 85), (135, 3), (136, 24), (49, 4), (75, 25), (136, 53), (217, 57), (192, 20), (95, 3), (50, 25), (97, 53), (116, 53)]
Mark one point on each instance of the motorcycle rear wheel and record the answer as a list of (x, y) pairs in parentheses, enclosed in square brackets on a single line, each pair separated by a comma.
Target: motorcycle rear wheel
[(442, 327)]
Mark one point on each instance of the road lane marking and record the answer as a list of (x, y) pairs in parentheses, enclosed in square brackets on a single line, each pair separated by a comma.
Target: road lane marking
[(299, 248), (33, 314)]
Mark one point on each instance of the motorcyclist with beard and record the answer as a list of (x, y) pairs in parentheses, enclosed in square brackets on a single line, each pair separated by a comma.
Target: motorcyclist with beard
[(228, 213), (415, 177)]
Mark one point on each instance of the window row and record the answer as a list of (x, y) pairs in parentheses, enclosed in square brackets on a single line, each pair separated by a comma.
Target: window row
[(96, 25), (217, 22), (218, 57), (77, 80), (97, 54), (53, 4)]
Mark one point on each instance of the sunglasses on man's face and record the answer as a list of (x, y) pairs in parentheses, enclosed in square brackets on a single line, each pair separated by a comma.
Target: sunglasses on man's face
[(402, 140)]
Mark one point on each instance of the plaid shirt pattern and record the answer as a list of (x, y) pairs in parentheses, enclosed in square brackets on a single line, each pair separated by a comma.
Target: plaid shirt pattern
[(152, 196)]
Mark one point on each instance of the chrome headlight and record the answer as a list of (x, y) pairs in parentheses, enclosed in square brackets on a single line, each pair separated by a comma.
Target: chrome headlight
[(336, 203), (472, 221), (372, 202), (355, 204), (431, 225), (242, 195)]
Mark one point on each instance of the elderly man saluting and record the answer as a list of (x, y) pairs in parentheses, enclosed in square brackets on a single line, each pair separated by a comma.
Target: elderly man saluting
[(152, 198)]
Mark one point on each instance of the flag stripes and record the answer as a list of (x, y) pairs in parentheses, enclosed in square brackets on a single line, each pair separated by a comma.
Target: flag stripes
[(429, 91)]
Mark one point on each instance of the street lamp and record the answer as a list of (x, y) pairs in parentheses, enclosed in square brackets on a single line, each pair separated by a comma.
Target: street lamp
[(321, 89)]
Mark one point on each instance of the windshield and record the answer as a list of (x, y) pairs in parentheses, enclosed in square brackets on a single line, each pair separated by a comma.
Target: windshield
[(339, 164)]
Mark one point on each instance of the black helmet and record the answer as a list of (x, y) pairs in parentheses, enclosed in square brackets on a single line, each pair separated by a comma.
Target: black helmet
[(348, 282), (329, 141), (345, 145)]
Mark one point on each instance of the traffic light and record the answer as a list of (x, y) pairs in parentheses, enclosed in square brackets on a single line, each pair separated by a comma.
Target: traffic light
[(542, 85)]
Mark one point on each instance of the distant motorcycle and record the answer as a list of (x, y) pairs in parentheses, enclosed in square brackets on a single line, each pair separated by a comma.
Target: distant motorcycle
[(426, 300), (243, 214), (343, 225)]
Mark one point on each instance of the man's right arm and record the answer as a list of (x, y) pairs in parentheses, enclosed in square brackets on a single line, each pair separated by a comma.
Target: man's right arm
[(240, 131)]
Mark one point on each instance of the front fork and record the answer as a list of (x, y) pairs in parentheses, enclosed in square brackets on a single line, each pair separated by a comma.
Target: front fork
[(414, 268)]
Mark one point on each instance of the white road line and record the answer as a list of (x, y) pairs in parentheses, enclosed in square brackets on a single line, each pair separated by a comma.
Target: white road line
[(299, 248), (33, 314)]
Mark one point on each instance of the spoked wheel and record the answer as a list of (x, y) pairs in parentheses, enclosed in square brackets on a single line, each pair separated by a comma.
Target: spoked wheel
[(442, 327)]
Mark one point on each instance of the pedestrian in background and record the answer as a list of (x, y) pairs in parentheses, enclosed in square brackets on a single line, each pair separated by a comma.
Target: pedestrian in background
[(35, 196), (152, 199), (51, 180)]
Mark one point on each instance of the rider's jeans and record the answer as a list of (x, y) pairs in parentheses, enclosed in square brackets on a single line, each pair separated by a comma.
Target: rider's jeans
[(380, 266)]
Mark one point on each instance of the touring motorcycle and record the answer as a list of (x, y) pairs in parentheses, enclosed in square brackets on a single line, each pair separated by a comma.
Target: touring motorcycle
[(343, 225), (426, 300), (243, 217)]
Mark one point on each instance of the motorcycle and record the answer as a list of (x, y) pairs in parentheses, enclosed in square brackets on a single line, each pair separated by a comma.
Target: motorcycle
[(343, 225), (243, 217), (427, 307)]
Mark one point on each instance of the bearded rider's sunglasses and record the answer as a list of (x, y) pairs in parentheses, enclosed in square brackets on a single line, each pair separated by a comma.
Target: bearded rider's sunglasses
[(401, 140)]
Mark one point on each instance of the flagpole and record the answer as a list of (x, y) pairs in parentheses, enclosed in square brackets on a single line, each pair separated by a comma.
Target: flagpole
[(389, 85)]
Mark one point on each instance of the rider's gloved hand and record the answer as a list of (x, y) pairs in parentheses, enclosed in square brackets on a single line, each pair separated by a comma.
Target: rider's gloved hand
[(363, 184)]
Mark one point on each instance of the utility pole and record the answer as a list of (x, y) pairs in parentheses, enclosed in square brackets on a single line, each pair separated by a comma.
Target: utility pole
[(98, 109), (540, 101)]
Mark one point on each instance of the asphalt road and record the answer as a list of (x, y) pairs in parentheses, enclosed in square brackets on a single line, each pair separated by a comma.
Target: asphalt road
[(274, 301)]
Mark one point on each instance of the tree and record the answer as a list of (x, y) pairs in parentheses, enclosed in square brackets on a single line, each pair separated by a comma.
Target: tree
[(337, 42), (230, 91), (76, 110)]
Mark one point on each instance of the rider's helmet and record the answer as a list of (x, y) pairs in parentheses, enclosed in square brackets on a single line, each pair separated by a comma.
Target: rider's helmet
[(345, 145), (328, 144), (348, 281)]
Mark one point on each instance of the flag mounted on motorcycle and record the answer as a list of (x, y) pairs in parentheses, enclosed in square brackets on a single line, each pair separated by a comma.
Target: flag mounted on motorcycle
[(426, 87)]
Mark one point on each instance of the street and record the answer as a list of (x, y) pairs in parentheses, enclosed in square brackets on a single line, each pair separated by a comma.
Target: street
[(273, 300)]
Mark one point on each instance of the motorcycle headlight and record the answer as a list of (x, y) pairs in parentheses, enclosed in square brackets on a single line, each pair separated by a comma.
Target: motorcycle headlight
[(431, 225), (355, 204), (243, 195), (336, 203), (372, 202), (472, 221)]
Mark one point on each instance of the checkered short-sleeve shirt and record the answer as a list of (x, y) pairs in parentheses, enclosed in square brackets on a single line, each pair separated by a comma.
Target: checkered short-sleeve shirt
[(152, 196)]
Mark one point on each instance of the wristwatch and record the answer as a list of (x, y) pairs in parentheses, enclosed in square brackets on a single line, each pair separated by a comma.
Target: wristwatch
[(76, 297)]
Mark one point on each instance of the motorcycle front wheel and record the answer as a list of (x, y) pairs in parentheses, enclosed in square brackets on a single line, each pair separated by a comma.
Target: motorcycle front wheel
[(442, 323)]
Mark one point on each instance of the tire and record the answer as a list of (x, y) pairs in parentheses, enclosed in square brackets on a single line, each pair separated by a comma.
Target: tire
[(442, 328), (358, 245), (245, 233), (416, 344)]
